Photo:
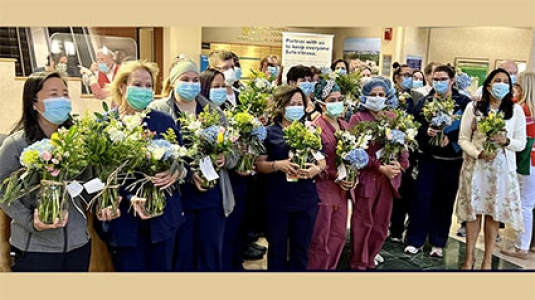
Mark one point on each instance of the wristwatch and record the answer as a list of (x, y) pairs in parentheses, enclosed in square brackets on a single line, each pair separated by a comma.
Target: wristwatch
[(507, 143)]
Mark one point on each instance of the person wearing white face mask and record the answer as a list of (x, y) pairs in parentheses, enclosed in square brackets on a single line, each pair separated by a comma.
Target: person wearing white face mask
[(438, 170), (64, 245), (206, 210), (329, 235), (291, 206), (378, 184), (365, 75), (488, 182)]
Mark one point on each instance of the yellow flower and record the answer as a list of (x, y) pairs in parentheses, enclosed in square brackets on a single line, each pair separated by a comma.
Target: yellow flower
[(220, 137), (54, 138), (30, 157)]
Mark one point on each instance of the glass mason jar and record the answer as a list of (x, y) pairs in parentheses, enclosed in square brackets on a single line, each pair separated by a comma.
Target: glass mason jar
[(52, 202)]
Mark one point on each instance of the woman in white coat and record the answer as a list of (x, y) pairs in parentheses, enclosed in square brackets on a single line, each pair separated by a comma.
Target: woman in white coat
[(488, 183)]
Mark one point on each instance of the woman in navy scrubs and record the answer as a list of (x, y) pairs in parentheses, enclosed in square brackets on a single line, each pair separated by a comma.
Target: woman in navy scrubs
[(291, 206)]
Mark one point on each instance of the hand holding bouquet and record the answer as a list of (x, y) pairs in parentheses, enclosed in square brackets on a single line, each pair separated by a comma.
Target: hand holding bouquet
[(491, 125), (251, 137), (440, 114), (351, 154), (305, 144)]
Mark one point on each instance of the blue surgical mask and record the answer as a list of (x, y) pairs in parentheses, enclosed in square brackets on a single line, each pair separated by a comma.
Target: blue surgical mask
[(274, 71), (375, 103), (335, 109), (417, 84), (499, 90), (139, 98), (341, 71), (441, 87), (218, 95), (513, 79), (103, 67), (294, 113), (188, 90), (307, 87), (237, 73), (406, 84), (57, 110)]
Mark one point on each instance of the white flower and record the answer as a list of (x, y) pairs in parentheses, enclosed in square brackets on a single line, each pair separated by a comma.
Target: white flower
[(132, 122), (411, 134), (260, 83), (157, 153), (116, 135), (194, 126)]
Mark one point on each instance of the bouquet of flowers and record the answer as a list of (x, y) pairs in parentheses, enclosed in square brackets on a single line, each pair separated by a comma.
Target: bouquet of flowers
[(161, 155), (492, 124), (253, 101), (351, 153), (405, 122), (116, 149), (402, 99), (251, 136), (47, 166), (304, 144), (206, 140), (440, 114)]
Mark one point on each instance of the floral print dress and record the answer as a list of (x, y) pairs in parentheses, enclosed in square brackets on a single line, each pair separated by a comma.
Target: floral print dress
[(489, 188)]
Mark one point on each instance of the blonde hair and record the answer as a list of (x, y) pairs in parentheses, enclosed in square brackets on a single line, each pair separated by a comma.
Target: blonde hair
[(124, 73), (216, 55), (166, 85), (526, 81)]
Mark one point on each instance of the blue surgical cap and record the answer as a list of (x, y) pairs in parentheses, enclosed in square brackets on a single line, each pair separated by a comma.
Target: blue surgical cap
[(375, 82)]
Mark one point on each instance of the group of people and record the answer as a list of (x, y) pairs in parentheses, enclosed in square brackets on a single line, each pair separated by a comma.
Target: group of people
[(305, 221)]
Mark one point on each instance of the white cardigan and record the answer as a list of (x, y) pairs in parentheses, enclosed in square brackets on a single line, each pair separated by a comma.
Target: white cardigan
[(516, 132)]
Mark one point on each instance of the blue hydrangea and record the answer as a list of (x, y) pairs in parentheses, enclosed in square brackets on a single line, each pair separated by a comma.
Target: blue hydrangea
[(41, 146), (463, 81), (161, 143), (398, 137), (441, 120), (358, 158), (260, 132), (210, 134)]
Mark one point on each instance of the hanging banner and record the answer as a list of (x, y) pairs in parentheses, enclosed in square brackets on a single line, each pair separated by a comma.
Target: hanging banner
[(306, 49)]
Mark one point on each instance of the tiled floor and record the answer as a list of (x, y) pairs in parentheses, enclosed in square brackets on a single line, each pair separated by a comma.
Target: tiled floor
[(396, 260)]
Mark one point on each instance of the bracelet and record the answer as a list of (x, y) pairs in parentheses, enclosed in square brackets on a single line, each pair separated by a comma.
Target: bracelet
[(274, 166)]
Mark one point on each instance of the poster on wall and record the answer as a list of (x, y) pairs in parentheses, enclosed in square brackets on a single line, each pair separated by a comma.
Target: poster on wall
[(306, 49), (414, 62), (365, 51), (477, 68)]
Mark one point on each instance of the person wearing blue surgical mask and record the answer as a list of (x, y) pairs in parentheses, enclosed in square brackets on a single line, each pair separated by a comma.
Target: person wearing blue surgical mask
[(403, 80), (140, 242), (489, 188), (340, 67), (223, 61), (205, 210), (214, 87), (301, 77), (291, 207), (329, 237), (439, 169), (418, 80), (106, 71), (38, 247)]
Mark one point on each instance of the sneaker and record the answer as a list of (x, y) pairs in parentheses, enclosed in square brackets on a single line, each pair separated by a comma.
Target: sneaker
[(461, 232), (396, 239), (515, 252), (411, 250), (436, 252), (378, 260)]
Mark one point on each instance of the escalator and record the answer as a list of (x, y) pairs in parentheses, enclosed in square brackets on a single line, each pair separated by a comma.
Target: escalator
[(16, 43)]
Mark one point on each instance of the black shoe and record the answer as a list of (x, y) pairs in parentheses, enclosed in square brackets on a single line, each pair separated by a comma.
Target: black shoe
[(258, 247), (252, 254)]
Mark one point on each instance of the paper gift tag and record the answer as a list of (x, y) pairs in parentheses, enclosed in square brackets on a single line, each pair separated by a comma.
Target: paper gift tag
[(75, 189), (380, 153), (342, 172), (207, 169), (317, 155), (94, 185)]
